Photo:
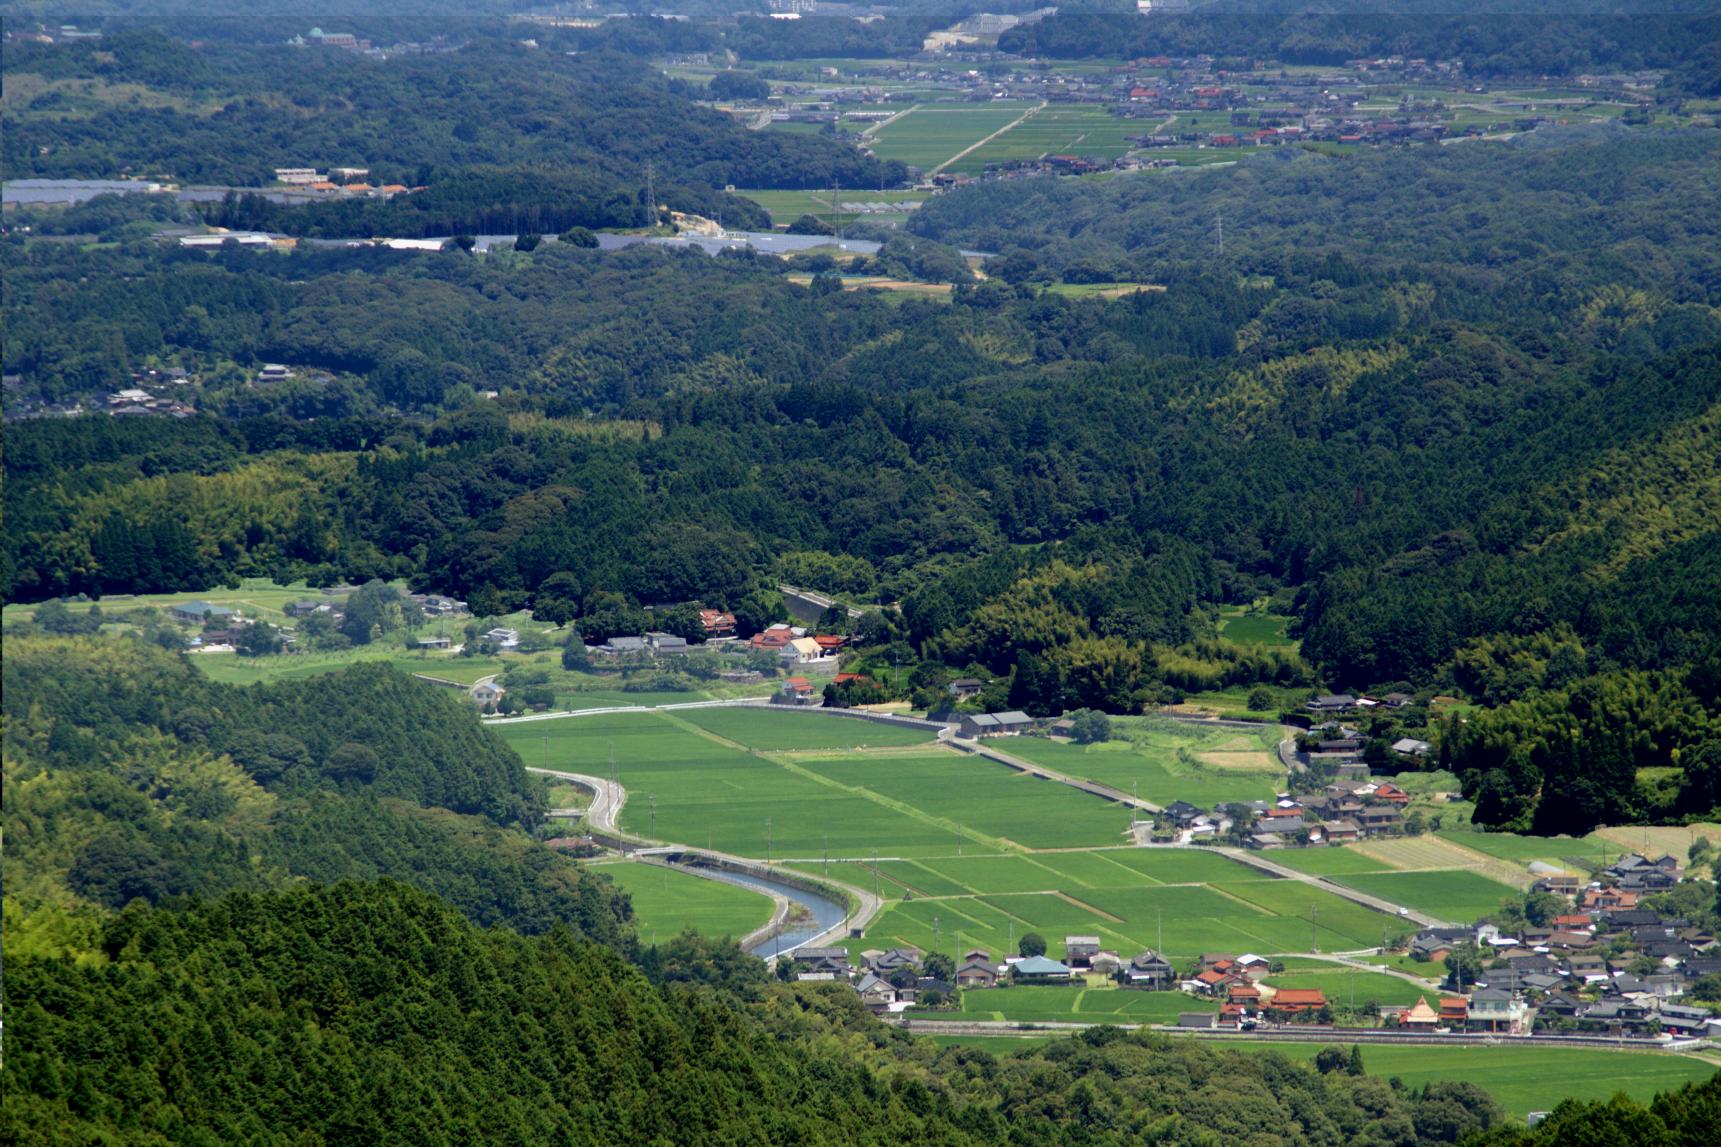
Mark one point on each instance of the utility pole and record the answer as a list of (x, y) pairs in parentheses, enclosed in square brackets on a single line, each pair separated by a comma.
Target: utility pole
[(767, 840), (1221, 236), (827, 854), (837, 204), (1314, 928), (651, 804), (650, 196), (1159, 918)]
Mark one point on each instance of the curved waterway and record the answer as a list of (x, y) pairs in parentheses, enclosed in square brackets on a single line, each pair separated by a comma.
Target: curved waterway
[(826, 912)]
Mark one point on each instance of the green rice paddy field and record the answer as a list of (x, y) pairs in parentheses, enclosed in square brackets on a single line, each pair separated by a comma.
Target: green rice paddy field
[(1450, 894), (774, 730), (933, 133), (1084, 130), (666, 901)]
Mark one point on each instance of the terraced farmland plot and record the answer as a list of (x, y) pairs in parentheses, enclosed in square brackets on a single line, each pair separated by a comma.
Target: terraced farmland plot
[(774, 729), (708, 794), (1085, 130), (989, 798), (933, 133), (1453, 895), (1302, 915), (666, 901), (1152, 764), (1433, 852), (941, 925)]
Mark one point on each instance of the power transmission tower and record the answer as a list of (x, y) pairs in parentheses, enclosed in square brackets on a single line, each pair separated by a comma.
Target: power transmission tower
[(650, 196)]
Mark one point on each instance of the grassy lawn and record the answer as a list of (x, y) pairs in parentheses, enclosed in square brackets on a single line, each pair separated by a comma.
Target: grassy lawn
[(667, 901), (772, 730), (1163, 762), (1458, 896)]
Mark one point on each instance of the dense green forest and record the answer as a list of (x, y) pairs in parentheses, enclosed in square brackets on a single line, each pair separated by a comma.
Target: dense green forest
[(504, 137), (1512, 39), (131, 776)]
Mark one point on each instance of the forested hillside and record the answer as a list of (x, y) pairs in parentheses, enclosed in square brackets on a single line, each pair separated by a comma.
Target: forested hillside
[(1506, 39), (369, 1014), (131, 776), (502, 136)]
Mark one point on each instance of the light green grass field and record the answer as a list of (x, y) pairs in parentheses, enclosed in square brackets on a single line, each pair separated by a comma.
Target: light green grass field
[(667, 901), (772, 730), (1523, 849), (1254, 628), (1151, 762), (1451, 895)]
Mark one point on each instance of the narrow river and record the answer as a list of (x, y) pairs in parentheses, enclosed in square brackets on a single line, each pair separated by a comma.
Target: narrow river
[(826, 913)]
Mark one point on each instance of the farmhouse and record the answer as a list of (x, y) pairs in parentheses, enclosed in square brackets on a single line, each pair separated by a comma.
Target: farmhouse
[(977, 973), (1079, 951), (1332, 703), (1039, 970), (1290, 1002), (199, 612), (994, 724), (1151, 970), (1420, 1017), (1497, 1010), (717, 622), (832, 960), (487, 693)]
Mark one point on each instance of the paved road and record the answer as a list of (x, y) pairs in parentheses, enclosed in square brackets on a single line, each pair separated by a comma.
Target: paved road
[(607, 797), (556, 716)]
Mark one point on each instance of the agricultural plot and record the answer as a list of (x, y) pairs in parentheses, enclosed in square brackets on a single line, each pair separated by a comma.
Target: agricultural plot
[(933, 133), (1254, 628), (1521, 849), (687, 788), (1085, 130), (1161, 762), (1523, 1079), (667, 901), (1419, 853), (1328, 861), (1349, 987), (1454, 895), (1078, 1004), (772, 730), (990, 799)]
